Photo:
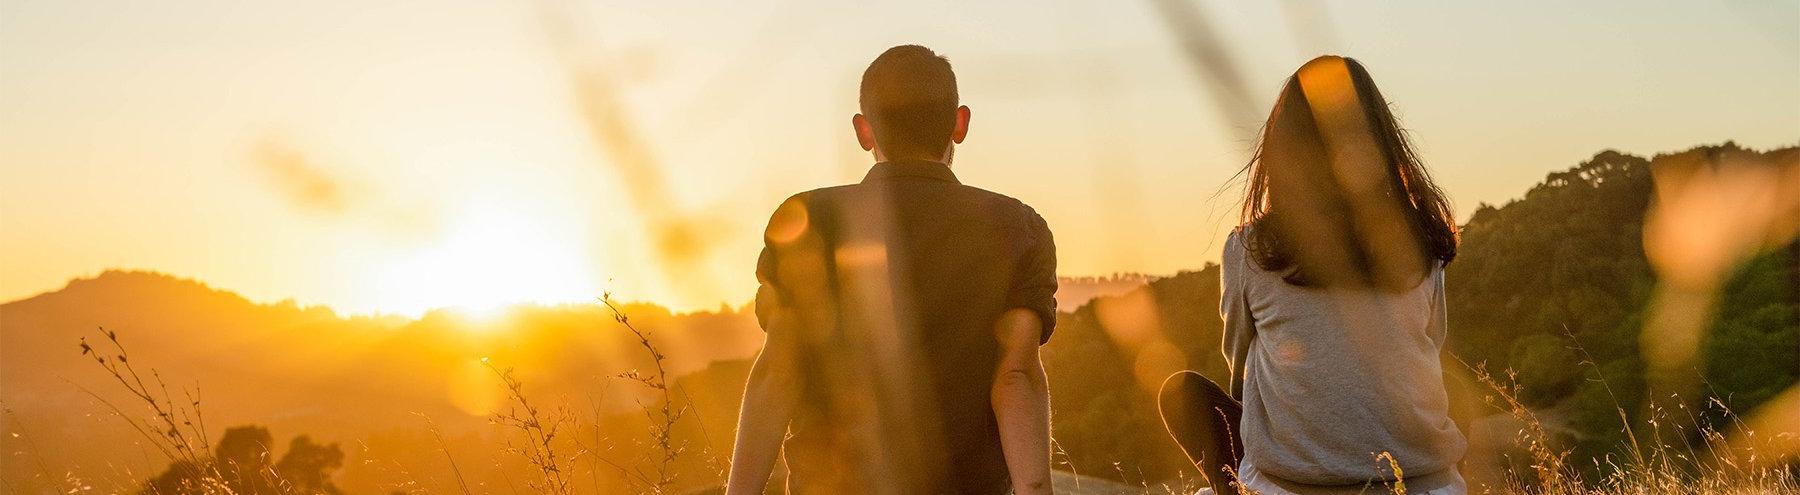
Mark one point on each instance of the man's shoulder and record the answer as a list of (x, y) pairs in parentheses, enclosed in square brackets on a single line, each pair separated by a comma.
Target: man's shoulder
[(826, 191), (1003, 203), (811, 197)]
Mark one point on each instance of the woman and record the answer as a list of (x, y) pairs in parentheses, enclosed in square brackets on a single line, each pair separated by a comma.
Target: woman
[(1333, 300)]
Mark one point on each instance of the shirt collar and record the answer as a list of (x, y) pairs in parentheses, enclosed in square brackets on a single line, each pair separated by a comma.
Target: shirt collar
[(925, 169)]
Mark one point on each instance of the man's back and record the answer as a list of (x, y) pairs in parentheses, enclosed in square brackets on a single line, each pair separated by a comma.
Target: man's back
[(910, 271), (904, 316)]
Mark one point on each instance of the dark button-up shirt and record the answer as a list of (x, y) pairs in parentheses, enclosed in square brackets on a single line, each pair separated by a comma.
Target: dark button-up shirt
[(897, 283)]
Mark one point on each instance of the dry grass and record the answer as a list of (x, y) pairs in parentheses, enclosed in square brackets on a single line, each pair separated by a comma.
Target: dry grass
[(663, 416), (540, 428), (177, 429), (1660, 467), (1652, 463)]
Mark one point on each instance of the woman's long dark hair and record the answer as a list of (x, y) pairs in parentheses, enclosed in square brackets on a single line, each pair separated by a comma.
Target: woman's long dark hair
[(1308, 217)]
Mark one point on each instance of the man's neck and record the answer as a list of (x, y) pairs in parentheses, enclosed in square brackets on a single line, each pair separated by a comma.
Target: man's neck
[(914, 160), (948, 157)]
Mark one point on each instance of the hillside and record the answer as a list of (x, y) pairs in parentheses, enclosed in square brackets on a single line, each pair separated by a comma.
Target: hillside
[(357, 381), (1539, 280), (1559, 277), (360, 380)]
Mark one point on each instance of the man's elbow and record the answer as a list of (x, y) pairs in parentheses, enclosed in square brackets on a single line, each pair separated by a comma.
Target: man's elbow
[(772, 374), (1022, 378), (1011, 377), (1019, 367)]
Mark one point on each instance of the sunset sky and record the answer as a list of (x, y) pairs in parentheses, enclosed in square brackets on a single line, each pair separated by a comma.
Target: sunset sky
[(399, 156)]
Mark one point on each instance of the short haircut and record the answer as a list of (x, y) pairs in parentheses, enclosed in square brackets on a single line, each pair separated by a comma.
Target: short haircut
[(909, 98)]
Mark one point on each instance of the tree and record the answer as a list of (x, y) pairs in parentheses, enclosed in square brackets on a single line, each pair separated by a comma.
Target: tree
[(243, 460), (307, 466)]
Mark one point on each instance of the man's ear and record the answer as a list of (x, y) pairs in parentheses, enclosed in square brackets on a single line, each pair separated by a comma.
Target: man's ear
[(962, 125), (865, 135)]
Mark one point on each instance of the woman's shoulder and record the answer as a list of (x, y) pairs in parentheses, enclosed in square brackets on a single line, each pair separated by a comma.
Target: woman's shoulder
[(1234, 245), (1233, 259), (1234, 241)]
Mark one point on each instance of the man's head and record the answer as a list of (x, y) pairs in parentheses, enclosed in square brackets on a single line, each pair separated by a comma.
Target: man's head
[(909, 106)]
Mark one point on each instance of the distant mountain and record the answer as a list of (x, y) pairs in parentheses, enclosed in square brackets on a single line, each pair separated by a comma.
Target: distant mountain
[(1072, 292), (307, 370)]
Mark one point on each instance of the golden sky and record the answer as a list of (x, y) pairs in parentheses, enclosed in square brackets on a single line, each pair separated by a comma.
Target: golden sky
[(398, 156)]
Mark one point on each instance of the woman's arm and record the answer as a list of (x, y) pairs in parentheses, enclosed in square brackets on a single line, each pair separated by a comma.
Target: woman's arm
[(1234, 307)]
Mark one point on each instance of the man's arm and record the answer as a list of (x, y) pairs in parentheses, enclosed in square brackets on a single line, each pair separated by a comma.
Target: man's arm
[(793, 298), (769, 399), (1021, 393), (1021, 401)]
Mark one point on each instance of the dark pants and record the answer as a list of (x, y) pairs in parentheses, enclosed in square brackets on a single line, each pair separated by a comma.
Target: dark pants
[(1203, 418)]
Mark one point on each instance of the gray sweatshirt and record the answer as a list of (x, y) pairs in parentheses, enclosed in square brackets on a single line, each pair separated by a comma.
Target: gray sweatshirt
[(1330, 378)]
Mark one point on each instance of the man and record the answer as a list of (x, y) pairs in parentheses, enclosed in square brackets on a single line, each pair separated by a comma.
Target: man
[(904, 315)]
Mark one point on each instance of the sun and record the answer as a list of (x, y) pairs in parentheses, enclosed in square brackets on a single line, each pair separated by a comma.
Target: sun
[(489, 259)]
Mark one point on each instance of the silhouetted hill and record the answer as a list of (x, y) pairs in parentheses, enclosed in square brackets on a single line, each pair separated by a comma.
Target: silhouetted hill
[(308, 370), (360, 380), (1073, 292)]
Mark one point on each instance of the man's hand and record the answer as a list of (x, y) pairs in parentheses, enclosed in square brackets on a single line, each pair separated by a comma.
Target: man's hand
[(1021, 401)]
